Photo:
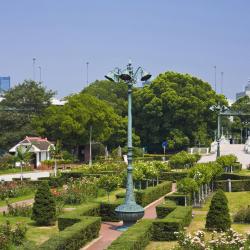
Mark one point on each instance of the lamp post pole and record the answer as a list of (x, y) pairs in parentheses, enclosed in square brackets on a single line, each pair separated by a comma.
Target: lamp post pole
[(218, 134), (129, 212)]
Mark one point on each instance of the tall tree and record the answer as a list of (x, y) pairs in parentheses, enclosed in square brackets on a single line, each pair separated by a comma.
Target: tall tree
[(20, 104), (71, 123), (115, 94), (175, 107)]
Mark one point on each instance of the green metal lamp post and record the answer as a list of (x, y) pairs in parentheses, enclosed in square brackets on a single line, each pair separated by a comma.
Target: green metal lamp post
[(130, 211), (219, 109)]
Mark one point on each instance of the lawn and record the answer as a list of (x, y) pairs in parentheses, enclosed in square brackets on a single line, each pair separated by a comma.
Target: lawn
[(16, 199), (235, 201)]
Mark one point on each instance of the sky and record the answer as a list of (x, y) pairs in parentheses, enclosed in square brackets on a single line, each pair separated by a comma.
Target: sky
[(187, 36)]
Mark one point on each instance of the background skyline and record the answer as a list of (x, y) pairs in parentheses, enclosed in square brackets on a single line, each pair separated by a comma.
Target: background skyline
[(184, 36)]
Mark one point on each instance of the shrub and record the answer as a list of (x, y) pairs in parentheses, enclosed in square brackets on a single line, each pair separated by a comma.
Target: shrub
[(227, 161), (179, 198), (68, 219), (136, 237), (146, 196), (173, 176), (182, 160), (236, 185), (218, 217), (242, 215), (7, 161), (24, 210), (164, 229), (165, 208), (74, 236), (44, 208), (107, 210), (109, 183), (10, 235)]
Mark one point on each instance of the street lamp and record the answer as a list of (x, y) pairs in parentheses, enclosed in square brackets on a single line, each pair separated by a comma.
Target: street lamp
[(129, 212), (218, 109)]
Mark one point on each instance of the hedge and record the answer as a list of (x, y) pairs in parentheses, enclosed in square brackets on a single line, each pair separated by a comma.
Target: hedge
[(107, 210), (74, 236), (68, 219), (165, 208), (146, 196), (173, 176), (163, 229), (236, 185), (232, 176), (178, 198), (136, 237)]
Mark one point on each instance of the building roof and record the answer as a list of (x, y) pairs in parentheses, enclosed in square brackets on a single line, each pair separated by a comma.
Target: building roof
[(40, 143)]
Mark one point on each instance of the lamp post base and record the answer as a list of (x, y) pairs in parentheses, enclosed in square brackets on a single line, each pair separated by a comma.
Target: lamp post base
[(129, 213)]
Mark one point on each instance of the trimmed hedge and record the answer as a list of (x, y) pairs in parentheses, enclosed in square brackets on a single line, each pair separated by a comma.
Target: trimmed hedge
[(163, 229), (178, 198), (74, 236), (233, 176), (236, 185), (136, 237), (107, 210), (165, 208), (68, 219), (146, 196), (173, 176)]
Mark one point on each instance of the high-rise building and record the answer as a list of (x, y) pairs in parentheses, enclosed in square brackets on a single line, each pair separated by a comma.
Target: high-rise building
[(4, 83), (246, 92)]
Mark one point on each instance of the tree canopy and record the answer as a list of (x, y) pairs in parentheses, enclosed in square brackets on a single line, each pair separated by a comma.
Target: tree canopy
[(20, 104), (175, 107), (71, 123)]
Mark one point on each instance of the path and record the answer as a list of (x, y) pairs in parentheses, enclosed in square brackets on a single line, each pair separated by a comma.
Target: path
[(32, 175), (28, 202), (109, 233), (226, 149)]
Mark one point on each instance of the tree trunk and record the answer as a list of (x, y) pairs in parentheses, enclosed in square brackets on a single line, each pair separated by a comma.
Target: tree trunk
[(55, 168)]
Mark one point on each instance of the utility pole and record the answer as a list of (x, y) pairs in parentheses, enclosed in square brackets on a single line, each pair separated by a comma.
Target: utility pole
[(90, 146), (40, 73), (87, 75), (34, 69), (215, 78)]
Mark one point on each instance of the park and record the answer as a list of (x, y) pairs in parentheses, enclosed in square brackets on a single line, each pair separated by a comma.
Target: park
[(123, 126)]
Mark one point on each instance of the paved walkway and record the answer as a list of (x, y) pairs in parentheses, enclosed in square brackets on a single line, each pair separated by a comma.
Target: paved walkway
[(27, 202), (109, 233), (226, 149), (32, 175)]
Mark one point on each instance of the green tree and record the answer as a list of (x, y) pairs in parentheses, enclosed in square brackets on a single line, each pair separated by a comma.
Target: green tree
[(218, 217), (20, 104), (23, 156), (115, 94), (109, 183), (175, 107), (44, 208), (70, 123)]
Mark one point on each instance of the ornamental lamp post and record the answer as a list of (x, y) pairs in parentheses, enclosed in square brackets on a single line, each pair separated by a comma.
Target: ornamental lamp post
[(218, 109), (130, 211)]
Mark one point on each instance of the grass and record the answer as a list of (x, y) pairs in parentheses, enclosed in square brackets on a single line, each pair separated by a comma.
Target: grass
[(161, 245), (16, 199)]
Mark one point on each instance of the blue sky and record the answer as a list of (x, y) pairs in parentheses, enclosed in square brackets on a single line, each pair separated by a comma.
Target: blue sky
[(189, 36)]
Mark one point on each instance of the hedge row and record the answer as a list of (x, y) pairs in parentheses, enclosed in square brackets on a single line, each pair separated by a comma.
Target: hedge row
[(75, 236), (146, 196), (136, 237), (173, 176), (68, 219), (232, 176), (179, 198), (236, 185), (163, 229), (165, 208)]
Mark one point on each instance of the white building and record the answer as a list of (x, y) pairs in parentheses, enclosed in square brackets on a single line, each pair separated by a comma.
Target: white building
[(40, 149), (246, 92)]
